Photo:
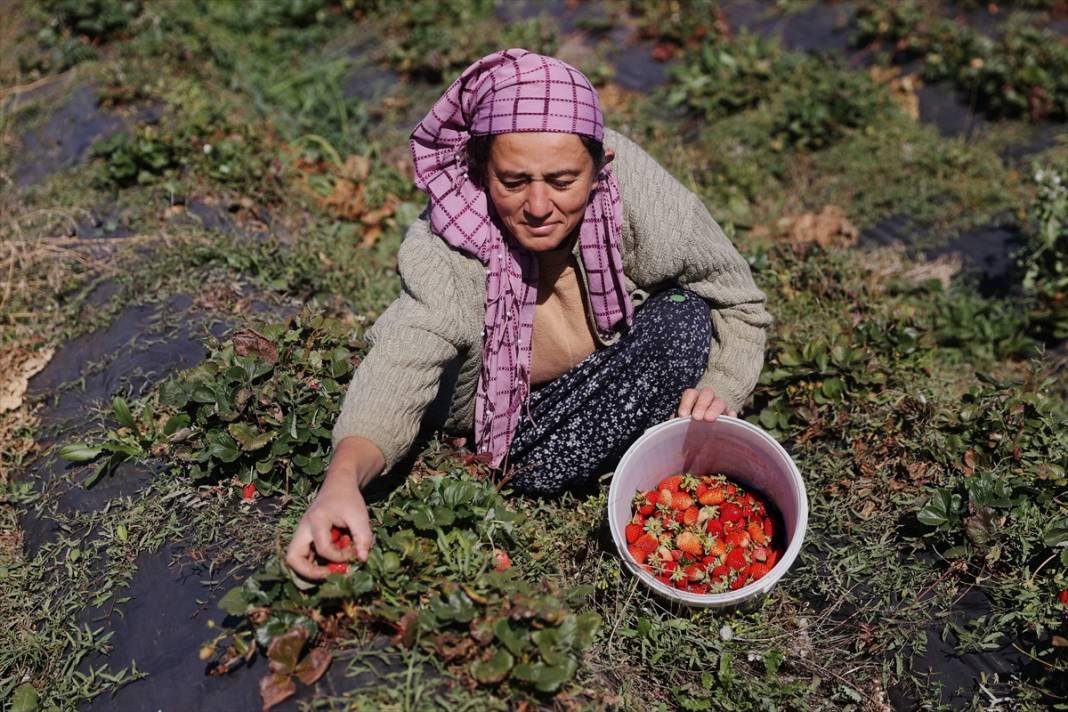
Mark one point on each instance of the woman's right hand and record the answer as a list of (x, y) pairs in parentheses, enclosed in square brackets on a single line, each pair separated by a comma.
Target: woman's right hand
[(339, 504)]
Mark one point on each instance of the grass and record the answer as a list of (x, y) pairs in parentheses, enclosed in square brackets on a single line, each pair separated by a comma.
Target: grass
[(927, 419)]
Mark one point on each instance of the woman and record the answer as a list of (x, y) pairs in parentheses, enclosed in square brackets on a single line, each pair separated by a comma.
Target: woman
[(525, 311)]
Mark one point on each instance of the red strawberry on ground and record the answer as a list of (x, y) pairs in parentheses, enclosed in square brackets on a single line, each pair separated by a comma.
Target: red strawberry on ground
[(501, 560), (248, 491), (1064, 597)]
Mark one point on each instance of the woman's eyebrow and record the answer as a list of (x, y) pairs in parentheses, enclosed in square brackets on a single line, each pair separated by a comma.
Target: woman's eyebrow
[(552, 175)]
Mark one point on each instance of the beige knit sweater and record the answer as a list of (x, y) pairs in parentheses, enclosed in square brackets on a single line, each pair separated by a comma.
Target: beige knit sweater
[(426, 348)]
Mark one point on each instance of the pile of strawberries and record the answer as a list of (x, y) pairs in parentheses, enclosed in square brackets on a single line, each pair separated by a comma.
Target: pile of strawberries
[(703, 534)]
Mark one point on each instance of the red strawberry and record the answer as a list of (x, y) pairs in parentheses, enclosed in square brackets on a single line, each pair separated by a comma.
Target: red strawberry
[(695, 573), (648, 500), (344, 541), (671, 483), (702, 487), (718, 548), (769, 528), (690, 516), (720, 571), (688, 542), (665, 497), (639, 554), (730, 512), (697, 588), (758, 570), (738, 538), (681, 500), (709, 560), (714, 526), (736, 559), (634, 532), (738, 582), (248, 491), (712, 497), (335, 534), (338, 567), (501, 560), (756, 532), (647, 543), (1064, 597)]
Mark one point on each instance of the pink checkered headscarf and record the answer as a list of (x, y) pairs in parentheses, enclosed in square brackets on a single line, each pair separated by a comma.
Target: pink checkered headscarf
[(508, 91)]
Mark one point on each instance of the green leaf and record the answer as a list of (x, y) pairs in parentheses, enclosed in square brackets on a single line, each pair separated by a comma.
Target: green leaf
[(122, 413), (940, 510), (249, 437), (79, 452), (513, 640), (494, 670), (1056, 533), (546, 678), (222, 447), (234, 602), (24, 699), (175, 423)]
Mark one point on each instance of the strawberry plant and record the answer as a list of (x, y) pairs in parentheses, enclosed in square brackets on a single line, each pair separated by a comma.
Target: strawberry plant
[(436, 580), (258, 409), (1043, 259)]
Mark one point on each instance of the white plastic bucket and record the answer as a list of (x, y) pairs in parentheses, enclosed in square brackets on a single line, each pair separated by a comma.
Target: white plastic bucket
[(728, 446)]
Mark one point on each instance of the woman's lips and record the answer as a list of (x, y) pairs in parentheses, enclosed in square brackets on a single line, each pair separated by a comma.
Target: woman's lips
[(541, 230)]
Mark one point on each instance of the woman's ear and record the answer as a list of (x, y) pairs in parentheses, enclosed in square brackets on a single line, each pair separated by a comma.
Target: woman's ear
[(609, 154)]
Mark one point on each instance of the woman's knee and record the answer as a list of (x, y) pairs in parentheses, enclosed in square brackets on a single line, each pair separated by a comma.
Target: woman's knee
[(675, 325)]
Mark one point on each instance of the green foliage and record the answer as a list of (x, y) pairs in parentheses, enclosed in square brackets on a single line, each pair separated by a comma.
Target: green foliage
[(723, 77), (1043, 259), (71, 31), (679, 23), (1024, 72), (829, 101), (814, 100), (432, 578), (261, 406), (436, 41), (152, 154), (1002, 508), (95, 19), (259, 409)]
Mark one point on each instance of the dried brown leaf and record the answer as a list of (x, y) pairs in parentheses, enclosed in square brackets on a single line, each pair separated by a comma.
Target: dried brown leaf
[(276, 688), (314, 665), (17, 366), (250, 341)]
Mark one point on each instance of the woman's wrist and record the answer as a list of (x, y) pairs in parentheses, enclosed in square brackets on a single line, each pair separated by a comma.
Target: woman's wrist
[(356, 460)]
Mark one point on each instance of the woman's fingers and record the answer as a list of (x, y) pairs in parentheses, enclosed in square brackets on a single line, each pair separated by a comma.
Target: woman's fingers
[(689, 397), (324, 547), (709, 406), (301, 558), (732, 413), (359, 526)]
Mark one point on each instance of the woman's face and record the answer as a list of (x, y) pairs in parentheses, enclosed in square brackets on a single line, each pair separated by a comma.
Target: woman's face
[(540, 184)]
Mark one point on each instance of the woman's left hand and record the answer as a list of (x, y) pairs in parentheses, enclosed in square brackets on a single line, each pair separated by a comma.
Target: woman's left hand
[(703, 404)]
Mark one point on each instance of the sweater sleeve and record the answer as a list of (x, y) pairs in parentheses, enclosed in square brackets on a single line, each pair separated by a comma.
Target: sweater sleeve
[(673, 238), (411, 343)]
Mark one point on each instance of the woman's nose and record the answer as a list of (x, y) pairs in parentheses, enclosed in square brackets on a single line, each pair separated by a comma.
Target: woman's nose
[(538, 205)]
